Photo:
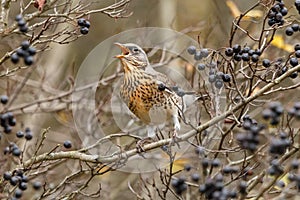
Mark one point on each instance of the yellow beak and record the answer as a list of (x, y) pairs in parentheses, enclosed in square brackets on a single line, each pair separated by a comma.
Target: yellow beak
[(124, 49)]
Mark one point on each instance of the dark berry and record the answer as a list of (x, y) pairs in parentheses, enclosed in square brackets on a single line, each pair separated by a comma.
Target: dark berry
[(161, 87), (28, 60), (295, 27), (23, 186), (7, 176), (87, 24), (294, 61), (278, 16), (23, 29), (266, 63), (215, 162), (289, 31), (294, 75), (37, 185), (267, 114), (236, 48), (229, 52), (195, 177), (201, 66), (187, 167), (257, 52), (18, 193), (251, 52), (243, 187), (25, 45), (197, 55), (254, 58), (205, 162), (18, 17), (180, 92), (16, 152), (226, 77), (21, 23), (20, 52), (24, 178), (246, 49), (284, 11), (204, 53), (67, 144), (212, 78), (4, 99), (191, 50), (297, 47), (297, 53), (237, 57), (14, 180), (271, 22), (7, 129), (31, 51), (28, 135), (81, 22), (12, 121), (219, 84), (20, 134), (84, 30), (227, 170), (295, 164), (14, 58)]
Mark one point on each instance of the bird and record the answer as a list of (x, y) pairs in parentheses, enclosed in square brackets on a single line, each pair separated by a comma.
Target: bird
[(150, 95)]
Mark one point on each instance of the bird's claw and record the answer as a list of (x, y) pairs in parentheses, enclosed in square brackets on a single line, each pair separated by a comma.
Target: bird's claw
[(141, 143), (175, 139)]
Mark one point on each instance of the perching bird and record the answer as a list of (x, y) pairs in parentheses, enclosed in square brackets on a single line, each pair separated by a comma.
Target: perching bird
[(149, 94)]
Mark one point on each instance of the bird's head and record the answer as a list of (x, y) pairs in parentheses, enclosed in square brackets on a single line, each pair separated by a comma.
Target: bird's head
[(132, 56)]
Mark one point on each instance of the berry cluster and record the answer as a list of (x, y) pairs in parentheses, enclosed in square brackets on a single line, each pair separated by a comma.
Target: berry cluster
[(198, 54), (179, 185), (250, 139), (18, 178), (215, 77), (276, 13), (295, 111), (273, 112), (13, 148), (289, 31), (279, 145), (276, 168), (84, 26), (26, 52), (215, 189), (244, 54), (7, 120), (21, 23)]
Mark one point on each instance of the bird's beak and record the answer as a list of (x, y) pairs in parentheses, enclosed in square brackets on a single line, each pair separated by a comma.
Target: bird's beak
[(124, 49)]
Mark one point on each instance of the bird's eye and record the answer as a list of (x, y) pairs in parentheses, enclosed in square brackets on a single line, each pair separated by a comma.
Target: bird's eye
[(135, 50)]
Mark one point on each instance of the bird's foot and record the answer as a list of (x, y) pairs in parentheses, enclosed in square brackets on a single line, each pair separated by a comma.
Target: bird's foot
[(175, 139), (142, 142)]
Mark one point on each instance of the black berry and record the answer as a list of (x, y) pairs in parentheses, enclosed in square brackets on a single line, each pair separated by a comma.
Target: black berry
[(14, 58), (67, 144), (84, 30), (4, 99), (191, 50)]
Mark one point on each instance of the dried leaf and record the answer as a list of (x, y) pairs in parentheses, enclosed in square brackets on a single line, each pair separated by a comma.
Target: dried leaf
[(278, 42), (233, 8)]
